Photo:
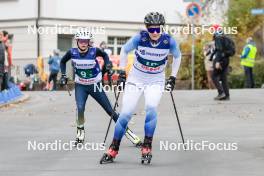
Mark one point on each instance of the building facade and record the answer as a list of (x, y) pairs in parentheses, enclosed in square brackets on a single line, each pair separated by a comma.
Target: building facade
[(112, 21)]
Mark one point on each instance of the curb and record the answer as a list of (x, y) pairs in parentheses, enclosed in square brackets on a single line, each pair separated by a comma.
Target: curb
[(21, 99)]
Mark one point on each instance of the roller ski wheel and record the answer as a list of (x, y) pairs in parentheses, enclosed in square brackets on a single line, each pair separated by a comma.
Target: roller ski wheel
[(146, 156), (109, 156), (78, 142)]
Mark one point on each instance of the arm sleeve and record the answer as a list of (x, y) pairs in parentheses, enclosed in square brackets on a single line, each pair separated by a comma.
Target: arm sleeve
[(219, 49), (213, 51), (175, 51), (247, 50), (102, 54), (129, 46), (64, 60)]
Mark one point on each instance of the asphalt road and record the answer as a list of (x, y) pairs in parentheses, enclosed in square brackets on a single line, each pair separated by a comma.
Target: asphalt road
[(48, 117)]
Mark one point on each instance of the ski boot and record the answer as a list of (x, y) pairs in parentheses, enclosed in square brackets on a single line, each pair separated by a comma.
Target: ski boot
[(220, 96), (146, 151), (133, 138), (111, 153), (80, 136)]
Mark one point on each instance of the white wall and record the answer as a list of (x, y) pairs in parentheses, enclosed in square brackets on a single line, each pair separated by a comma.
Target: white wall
[(18, 9), (115, 10), (106, 10), (25, 45)]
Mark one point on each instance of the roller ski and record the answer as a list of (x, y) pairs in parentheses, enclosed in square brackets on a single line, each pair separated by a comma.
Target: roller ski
[(133, 138), (111, 154), (80, 136)]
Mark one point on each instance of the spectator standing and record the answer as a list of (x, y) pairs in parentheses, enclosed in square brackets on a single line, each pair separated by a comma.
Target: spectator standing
[(54, 67), (248, 61), (208, 50)]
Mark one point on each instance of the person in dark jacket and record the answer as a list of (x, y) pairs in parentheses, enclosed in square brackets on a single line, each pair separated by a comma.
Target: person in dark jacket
[(2, 61), (220, 66), (8, 57), (30, 72)]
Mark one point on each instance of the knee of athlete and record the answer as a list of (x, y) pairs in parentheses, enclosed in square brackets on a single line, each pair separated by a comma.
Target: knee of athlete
[(114, 115), (123, 120), (151, 114), (126, 112)]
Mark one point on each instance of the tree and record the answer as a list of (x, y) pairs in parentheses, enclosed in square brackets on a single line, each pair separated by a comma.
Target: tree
[(239, 15)]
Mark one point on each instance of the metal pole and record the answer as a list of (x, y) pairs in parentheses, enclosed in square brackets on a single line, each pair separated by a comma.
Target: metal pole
[(69, 92), (37, 26), (193, 53), (177, 117), (107, 131)]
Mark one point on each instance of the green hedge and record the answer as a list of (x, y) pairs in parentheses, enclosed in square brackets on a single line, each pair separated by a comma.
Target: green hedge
[(237, 80)]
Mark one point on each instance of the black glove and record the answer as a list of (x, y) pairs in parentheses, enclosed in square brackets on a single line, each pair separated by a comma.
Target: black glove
[(121, 80), (170, 84), (63, 80), (108, 68)]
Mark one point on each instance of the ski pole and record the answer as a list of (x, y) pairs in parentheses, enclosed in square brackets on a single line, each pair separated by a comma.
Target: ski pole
[(110, 82), (111, 117), (116, 97), (68, 89), (176, 114)]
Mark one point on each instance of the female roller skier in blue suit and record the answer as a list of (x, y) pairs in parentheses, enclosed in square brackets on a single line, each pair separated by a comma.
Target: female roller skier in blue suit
[(88, 78)]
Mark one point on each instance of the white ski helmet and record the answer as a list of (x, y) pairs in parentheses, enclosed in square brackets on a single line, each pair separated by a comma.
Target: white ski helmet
[(83, 35)]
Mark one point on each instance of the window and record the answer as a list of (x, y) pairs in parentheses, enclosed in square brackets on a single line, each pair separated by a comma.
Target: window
[(116, 43), (64, 42)]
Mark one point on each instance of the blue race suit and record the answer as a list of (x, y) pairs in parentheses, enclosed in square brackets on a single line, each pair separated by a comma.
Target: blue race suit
[(87, 80)]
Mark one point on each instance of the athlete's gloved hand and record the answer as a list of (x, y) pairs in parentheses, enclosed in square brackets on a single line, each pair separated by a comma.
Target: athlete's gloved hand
[(63, 80), (170, 84), (108, 68), (121, 80)]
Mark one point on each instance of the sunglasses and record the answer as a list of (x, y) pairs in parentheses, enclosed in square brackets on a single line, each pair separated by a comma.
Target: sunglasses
[(83, 41), (153, 30)]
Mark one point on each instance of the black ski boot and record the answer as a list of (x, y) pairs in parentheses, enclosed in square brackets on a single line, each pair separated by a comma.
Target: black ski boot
[(110, 155), (146, 150)]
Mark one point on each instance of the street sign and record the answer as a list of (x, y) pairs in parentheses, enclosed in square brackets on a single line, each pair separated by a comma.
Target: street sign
[(257, 11), (193, 10)]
